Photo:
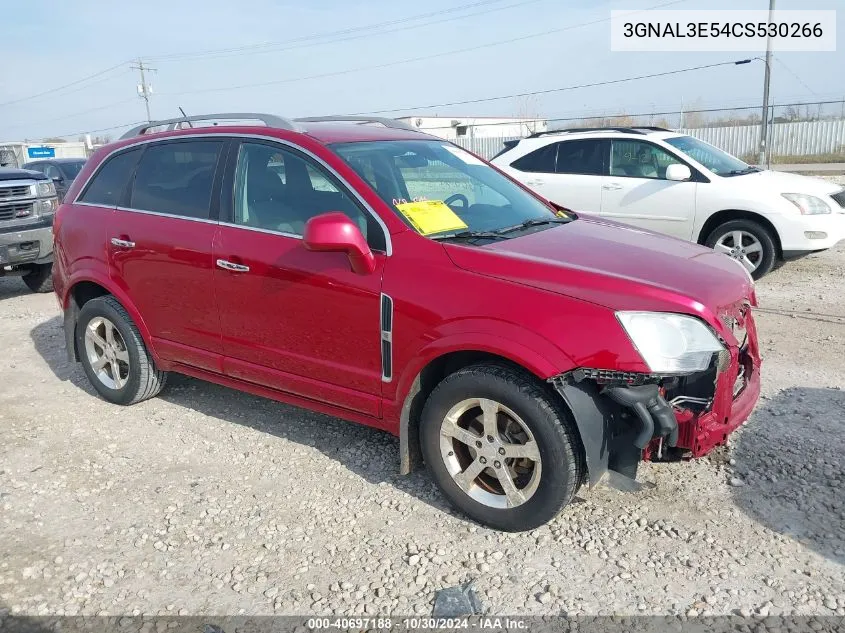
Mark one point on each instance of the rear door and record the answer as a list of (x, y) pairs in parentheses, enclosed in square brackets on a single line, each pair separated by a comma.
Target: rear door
[(636, 192), (85, 226), (159, 243), (568, 173)]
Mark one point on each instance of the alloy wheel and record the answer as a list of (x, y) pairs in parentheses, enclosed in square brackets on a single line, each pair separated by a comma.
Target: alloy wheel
[(490, 453), (743, 247), (106, 352)]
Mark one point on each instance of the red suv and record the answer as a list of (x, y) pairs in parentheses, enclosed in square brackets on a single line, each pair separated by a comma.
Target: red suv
[(371, 272)]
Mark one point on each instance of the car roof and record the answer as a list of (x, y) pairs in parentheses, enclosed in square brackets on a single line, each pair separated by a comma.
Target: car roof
[(324, 129), (628, 132), (357, 132), (518, 148), (325, 133), (57, 160)]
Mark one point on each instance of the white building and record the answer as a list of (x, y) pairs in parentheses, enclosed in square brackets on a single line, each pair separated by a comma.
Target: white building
[(458, 128), (16, 153)]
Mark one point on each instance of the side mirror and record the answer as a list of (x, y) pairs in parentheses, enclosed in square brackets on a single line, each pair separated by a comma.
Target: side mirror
[(335, 232), (58, 179), (678, 172)]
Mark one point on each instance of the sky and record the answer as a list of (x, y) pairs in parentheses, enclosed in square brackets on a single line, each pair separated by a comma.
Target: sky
[(456, 54)]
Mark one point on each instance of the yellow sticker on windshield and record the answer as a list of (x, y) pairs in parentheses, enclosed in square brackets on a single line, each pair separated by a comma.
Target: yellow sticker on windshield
[(431, 216)]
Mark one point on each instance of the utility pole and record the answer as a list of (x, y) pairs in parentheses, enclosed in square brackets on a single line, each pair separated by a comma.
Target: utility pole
[(764, 121), (144, 89), (681, 116)]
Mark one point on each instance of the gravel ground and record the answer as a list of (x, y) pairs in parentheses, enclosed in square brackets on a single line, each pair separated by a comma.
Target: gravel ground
[(210, 501)]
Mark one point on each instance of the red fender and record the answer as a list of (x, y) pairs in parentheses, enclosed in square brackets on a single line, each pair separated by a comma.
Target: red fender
[(115, 290)]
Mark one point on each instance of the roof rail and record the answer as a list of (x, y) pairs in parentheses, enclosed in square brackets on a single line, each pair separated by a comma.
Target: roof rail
[(270, 120), (611, 128), (653, 128), (385, 121)]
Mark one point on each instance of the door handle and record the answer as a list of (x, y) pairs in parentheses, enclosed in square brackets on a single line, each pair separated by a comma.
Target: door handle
[(236, 268), (116, 241), (535, 183), (612, 186)]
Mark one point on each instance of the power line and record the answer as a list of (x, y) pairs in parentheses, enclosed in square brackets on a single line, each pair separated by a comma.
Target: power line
[(409, 60), (597, 112), (102, 129), (59, 88), (790, 71), (327, 34), (753, 107), (295, 44), (80, 113), (551, 90), (644, 114)]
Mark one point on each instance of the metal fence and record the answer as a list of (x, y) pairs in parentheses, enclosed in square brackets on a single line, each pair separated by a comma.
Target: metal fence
[(485, 147), (801, 138)]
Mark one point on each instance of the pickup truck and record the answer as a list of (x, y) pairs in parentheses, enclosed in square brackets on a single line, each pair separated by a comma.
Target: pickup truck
[(28, 202)]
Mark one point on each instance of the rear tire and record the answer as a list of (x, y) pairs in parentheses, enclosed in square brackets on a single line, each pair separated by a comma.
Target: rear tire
[(528, 459), (113, 353), (40, 279), (752, 233)]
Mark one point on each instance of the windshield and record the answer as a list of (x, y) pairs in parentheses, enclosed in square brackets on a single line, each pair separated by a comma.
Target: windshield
[(719, 162), (442, 191), (72, 169)]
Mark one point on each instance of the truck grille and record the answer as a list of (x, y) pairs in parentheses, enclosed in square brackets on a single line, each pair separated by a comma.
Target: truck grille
[(8, 193), (14, 211)]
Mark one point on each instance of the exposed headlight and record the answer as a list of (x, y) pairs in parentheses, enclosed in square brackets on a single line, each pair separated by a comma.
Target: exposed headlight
[(46, 207), (670, 343), (808, 205), (45, 189)]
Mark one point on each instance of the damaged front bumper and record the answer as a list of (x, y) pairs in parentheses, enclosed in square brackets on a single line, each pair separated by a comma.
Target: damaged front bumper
[(625, 417)]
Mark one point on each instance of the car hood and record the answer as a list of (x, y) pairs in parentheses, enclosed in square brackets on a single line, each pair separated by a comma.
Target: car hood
[(778, 182), (613, 265), (11, 173)]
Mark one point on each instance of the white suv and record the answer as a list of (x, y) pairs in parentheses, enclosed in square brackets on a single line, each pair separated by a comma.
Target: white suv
[(678, 185)]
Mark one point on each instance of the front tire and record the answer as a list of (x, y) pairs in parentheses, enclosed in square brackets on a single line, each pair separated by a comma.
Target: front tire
[(113, 353), (500, 447), (749, 242), (40, 279)]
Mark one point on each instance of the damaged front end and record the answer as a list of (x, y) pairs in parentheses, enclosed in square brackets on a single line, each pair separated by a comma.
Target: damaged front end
[(625, 417)]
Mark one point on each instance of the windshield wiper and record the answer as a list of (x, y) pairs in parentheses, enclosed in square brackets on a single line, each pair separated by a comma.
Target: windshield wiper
[(533, 222), (471, 235), (741, 172)]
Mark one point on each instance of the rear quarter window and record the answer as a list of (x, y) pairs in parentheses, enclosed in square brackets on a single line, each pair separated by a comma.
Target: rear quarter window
[(540, 161), (109, 183)]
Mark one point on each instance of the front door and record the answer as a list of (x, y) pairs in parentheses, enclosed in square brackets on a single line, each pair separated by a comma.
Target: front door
[(636, 192), (295, 320), (160, 248)]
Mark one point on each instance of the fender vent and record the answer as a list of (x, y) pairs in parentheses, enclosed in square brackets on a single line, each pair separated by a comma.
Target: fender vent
[(386, 327)]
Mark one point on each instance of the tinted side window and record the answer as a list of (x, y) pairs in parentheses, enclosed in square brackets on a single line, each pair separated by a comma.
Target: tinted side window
[(109, 183), (177, 178), (278, 190), (539, 161), (639, 159), (581, 157)]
